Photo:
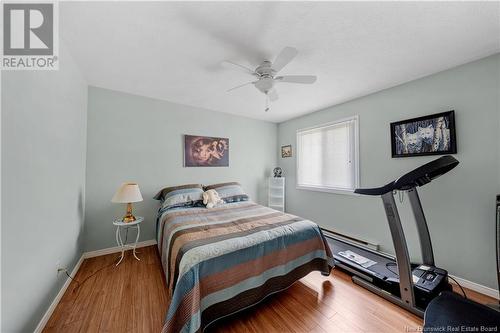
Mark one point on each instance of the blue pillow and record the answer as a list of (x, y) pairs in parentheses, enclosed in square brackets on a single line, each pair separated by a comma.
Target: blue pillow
[(181, 196), (229, 192)]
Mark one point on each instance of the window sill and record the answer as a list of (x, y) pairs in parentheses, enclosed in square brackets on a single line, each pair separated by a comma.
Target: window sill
[(327, 190)]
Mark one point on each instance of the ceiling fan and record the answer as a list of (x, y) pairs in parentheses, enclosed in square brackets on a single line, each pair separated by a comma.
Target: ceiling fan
[(266, 74)]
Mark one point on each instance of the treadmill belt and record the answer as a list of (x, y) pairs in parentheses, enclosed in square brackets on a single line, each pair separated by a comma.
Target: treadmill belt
[(384, 267)]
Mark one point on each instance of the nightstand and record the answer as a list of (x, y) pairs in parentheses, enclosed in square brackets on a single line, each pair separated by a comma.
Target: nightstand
[(127, 225)]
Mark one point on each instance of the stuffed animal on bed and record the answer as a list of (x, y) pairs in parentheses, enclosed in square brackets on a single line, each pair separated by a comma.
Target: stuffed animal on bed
[(211, 198)]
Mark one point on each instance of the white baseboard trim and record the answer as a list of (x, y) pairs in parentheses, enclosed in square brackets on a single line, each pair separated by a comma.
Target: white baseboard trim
[(53, 305), (115, 249), (475, 287), (85, 255)]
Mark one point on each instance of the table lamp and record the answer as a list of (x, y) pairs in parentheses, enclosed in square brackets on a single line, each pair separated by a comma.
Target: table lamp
[(128, 193)]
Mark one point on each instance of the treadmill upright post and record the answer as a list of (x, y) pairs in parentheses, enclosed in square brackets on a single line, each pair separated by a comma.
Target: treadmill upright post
[(402, 256), (422, 228)]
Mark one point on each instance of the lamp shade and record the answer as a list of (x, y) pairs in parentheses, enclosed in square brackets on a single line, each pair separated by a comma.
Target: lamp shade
[(128, 192)]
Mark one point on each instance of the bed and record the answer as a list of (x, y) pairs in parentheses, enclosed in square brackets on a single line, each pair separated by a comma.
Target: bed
[(222, 260)]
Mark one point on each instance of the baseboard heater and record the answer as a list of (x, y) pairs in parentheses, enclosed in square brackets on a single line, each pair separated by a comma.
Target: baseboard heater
[(350, 239)]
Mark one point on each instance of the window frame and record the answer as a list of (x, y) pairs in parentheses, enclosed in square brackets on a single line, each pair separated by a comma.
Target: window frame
[(329, 189)]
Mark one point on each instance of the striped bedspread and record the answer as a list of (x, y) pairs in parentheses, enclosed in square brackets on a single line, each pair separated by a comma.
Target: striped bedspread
[(219, 261)]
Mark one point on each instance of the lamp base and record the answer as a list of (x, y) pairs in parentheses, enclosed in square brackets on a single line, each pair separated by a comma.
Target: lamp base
[(129, 217)]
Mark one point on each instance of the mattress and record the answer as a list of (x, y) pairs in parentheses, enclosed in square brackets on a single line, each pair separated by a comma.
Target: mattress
[(219, 261)]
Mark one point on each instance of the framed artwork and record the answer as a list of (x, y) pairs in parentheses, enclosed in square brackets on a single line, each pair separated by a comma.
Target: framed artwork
[(428, 135), (286, 151), (205, 151)]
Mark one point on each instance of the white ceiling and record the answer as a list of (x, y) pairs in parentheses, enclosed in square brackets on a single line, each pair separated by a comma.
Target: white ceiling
[(173, 51)]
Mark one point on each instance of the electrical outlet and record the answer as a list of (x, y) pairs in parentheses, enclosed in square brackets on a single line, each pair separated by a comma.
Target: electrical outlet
[(59, 268)]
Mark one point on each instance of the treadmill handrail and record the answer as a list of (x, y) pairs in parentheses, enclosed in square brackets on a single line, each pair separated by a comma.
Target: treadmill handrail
[(417, 177), (376, 190)]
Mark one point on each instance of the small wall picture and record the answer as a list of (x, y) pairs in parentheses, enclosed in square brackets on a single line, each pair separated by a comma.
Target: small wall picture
[(286, 151), (205, 151), (428, 135)]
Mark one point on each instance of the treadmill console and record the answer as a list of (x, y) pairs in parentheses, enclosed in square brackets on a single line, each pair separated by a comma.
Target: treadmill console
[(428, 278)]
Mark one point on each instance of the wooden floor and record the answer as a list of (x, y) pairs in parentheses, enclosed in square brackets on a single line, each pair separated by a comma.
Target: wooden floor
[(132, 298)]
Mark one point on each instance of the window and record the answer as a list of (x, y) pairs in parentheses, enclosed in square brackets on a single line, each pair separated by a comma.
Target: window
[(327, 157)]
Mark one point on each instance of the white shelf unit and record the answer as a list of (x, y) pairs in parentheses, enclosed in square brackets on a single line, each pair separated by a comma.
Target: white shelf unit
[(276, 194)]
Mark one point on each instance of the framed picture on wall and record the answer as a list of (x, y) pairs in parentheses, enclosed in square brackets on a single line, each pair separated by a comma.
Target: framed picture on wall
[(428, 135), (286, 151), (205, 151)]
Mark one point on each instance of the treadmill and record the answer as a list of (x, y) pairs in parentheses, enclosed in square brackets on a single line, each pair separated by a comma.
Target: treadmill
[(411, 286)]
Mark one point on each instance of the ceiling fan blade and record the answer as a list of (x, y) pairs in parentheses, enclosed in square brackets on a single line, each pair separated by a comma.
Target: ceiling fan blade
[(233, 65), (284, 57), (241, 85), (296, 78), (273, 95)]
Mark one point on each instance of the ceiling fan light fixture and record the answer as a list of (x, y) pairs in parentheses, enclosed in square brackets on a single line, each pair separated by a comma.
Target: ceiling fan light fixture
[(267, 70)]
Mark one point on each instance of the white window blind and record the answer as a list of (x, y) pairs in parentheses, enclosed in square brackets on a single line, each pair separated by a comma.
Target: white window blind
[(327, 156)]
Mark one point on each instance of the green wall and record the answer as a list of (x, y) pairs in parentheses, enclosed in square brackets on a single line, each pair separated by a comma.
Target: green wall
[(460, 206), (44, 115), (133, 138)]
